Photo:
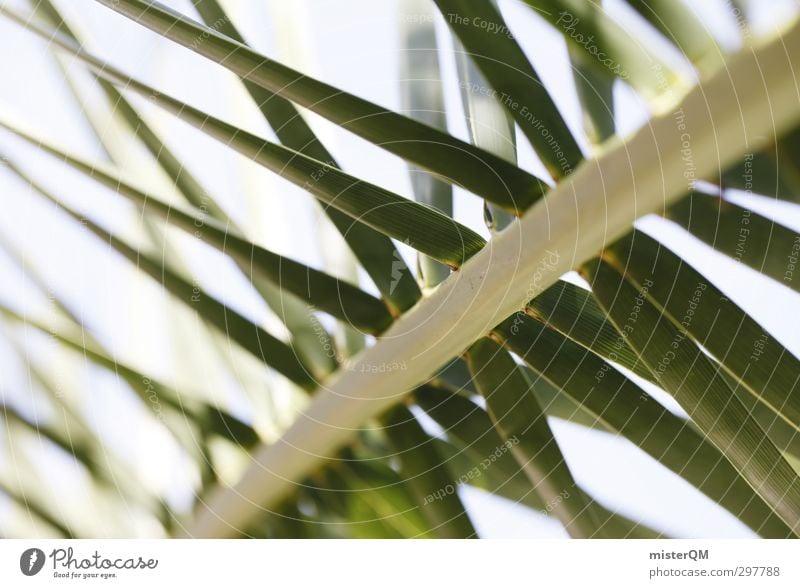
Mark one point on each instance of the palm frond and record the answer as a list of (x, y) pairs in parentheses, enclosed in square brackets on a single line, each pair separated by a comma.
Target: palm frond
[(314, 398)]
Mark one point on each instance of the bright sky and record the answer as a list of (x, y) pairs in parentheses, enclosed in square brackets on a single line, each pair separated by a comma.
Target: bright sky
[(353, 44)]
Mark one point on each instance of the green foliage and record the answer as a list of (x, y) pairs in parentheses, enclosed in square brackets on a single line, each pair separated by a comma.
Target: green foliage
[(573, 353)]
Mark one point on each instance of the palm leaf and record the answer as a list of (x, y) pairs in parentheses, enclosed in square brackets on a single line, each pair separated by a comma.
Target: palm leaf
[(680, 25), (747, 352), (476, 170), (422, 98), (522, 424), (421, 227), (375, 252), (744, 235), (608, 46), (426, 476), (318, 289), (251, 337), (294, 315), (490, 125), (497, 281), (629, 411), (702, 392), (380, 402), (516, 85)]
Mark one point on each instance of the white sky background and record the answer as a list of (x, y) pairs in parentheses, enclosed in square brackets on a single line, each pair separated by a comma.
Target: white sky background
[(352, 44)]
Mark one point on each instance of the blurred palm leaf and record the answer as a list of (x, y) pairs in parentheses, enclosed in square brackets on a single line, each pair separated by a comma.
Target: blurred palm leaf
[(475, 359)]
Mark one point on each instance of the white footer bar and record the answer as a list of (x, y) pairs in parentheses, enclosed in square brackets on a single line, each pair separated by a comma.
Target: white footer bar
[(388, 564)]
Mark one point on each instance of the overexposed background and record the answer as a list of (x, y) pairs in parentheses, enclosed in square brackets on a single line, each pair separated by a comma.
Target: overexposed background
[(352, 44)]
